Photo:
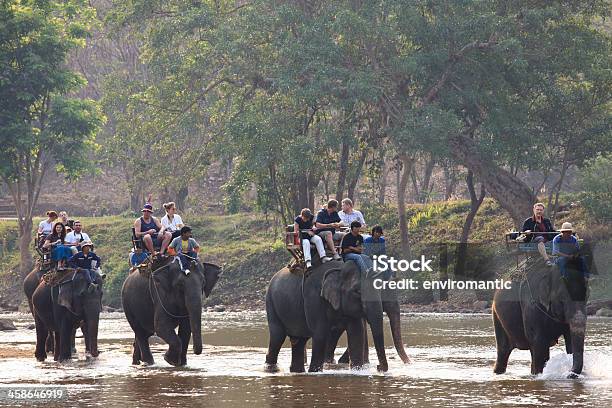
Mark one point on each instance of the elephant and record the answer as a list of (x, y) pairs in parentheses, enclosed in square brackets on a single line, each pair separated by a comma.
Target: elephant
[(303, 306), (536, 311), (159, 301), (60, 308), (30, 283), (390, 306)]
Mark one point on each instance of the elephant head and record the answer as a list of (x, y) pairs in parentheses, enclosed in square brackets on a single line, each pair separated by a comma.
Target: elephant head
[(354, 295), (179, 293), (87, 305)]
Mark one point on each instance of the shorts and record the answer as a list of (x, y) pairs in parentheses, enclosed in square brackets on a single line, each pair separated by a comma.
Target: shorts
[(538, 239), (337, 235)]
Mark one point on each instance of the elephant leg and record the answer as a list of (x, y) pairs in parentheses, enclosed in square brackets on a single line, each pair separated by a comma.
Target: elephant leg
[(42, 336), (568, 342), (355, 336), (49, 343), (319, 342), (504, 346), (540, 353), (165, 330), (332, 343), (298, 349), (65, 338), (366, 346), (136, 358), (73, 349), (56, 349), (345, 357), (277, 338), (184, 333), (144, 350)]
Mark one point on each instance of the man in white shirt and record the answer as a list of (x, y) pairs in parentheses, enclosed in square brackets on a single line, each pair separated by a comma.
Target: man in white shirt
[(75, 237), (349, 214)]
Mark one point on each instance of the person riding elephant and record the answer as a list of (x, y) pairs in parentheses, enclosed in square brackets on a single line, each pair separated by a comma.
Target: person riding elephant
[(536, 311), (160, 300), (308, 306), (60, 307)]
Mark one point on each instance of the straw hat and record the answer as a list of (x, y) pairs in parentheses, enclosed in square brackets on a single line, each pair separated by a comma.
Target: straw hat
[(567, 226)]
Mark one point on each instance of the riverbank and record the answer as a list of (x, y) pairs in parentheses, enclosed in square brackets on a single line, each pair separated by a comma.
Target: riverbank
[(250, 249)]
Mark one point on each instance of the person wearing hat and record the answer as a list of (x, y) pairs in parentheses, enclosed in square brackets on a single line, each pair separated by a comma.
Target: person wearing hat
[(185, 248), (566, 248), (148, 228), (537, 229), (88, 262), (302, 227)]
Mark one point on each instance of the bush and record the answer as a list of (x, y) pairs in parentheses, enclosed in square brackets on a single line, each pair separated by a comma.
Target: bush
[(596, 179)]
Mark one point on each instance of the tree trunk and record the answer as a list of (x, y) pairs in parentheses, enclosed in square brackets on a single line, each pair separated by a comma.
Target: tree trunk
[(475, 202), (25, 238), (404, 170), (342, 169), (181, 198), (382, 182), (136, 199), (425, 183), (450, 182), (357, 173), (511, 192)]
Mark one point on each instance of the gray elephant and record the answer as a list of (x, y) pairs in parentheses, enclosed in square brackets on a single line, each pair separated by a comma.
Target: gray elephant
[(535, 312), (60, 307), (309, 305), (390, 306), (159, 301)]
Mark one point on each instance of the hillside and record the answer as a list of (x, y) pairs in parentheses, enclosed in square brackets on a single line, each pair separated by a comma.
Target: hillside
[(250, 248)]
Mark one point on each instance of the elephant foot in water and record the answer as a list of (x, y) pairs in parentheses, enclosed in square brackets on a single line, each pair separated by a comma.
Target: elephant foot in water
[(40, 356), (271, 368), (171, 359), (572, 376)]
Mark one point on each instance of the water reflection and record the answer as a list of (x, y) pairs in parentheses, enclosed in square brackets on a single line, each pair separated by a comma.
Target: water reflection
[(452, 366)]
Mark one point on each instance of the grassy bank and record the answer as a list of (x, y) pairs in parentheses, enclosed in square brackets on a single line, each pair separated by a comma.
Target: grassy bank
[(251, 250)]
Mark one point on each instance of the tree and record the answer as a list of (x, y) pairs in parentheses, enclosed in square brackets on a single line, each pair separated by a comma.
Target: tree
[(40, 125)]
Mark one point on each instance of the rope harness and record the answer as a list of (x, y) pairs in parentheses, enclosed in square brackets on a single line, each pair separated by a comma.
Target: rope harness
[(161, 303)]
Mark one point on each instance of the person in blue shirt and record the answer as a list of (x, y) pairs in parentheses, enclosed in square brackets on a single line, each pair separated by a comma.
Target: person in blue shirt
[(375, 244), (566, 248), (89, 262), (352, 248), (138, 257)]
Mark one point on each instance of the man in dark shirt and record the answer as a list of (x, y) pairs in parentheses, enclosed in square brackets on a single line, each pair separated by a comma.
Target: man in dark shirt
[(326, 223), (88, 262), (303, 228), (352, 248), (535, 228)]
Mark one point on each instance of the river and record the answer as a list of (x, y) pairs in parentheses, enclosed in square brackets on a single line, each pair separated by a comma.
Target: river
[(452, 358)]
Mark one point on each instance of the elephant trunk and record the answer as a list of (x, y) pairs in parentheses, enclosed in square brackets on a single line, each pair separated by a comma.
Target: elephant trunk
[(396, 331), (193, 301), (92, 334), (375, 319), (577, 333)]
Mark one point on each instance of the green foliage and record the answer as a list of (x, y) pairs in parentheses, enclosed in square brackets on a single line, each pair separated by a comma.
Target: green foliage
[(596, 178), (40, 125)]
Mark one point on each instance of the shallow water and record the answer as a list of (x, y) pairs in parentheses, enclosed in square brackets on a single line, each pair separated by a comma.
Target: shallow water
[(452, 358)]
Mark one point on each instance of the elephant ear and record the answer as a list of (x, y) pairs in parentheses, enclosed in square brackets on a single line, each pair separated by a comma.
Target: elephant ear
[(212, 273), (332, 287), (70, 290)]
